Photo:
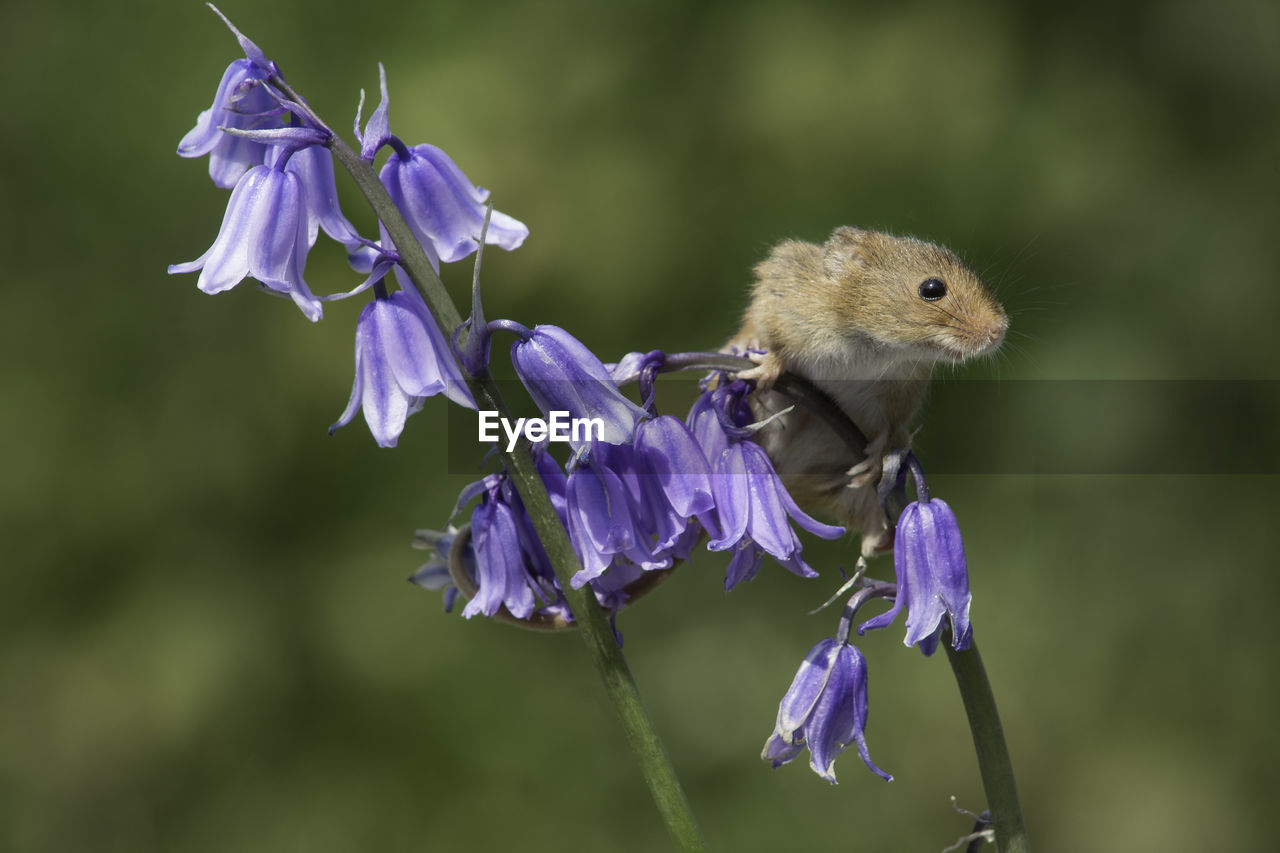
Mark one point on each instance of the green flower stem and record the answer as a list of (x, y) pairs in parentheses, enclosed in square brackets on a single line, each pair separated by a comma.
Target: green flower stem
[(594, 626), (988, 742)]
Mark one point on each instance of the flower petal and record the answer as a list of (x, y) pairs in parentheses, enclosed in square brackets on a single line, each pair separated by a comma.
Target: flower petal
[(850, 728), (778, 751), (769, 525), (744, 565), (707, 428), (405, 347), (733, 498), (386, 406), (442, 365), (801, 699), (600, 501), (672, 455), (314, 167), (802, 518), (234, 156), (831, 715), (202, 138), (357, 387), (227, 261), (274, 222)]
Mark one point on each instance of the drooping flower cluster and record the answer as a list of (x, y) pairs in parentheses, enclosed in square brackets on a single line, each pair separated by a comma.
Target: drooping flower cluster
[(645, 489), (273, 153)]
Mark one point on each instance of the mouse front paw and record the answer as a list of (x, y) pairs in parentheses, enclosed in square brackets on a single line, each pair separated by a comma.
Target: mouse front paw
[(766, 372)]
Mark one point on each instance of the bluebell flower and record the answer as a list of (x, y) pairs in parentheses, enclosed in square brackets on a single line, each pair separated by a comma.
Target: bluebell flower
[(754, 508), (264, 234), (561, 374), (711, 425), (932, 576), (401, 359), (444, 209), (604, 522), (537, 564), (649, 510), (242, 102), (672, 456), (510, 558), (825, 709), (314, 168), (672, 482), (501, 576), (505, 570)]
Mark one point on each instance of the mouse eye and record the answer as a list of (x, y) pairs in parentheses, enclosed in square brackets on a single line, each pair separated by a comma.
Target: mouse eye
[(932, 289)]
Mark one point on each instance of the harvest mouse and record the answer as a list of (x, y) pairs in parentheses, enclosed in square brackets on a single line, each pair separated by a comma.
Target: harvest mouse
[(865, 317)]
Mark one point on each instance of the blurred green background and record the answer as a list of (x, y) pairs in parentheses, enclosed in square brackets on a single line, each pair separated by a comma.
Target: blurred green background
[(206, 639)]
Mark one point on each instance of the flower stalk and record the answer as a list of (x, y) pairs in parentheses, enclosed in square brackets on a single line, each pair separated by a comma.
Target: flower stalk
[(993, 753)]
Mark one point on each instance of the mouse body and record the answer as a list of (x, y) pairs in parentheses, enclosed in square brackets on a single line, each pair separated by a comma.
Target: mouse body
[(866, 316)]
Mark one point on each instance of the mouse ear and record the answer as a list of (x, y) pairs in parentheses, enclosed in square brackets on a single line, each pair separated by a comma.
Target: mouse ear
[(846, 249), (847, 233)]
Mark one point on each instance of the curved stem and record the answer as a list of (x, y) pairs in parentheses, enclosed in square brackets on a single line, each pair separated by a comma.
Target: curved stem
[(596, 632), (917, 473), (993, 753)]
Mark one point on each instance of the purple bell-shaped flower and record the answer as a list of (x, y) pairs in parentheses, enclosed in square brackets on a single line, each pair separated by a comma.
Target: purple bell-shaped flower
[(755, 509), (401, 359), (825, 709), (501, 575), (604, 522), (443, 208), (561, 374), (264, 234), (242, 103), (932, 575)]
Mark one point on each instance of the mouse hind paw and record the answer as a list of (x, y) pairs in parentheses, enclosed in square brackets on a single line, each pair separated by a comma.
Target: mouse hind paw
[(868, 471)]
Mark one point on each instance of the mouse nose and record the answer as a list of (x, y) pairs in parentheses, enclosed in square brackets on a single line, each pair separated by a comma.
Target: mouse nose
[(995, 334)]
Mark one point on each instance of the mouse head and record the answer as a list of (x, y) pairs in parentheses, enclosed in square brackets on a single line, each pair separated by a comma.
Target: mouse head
[(909, 294)]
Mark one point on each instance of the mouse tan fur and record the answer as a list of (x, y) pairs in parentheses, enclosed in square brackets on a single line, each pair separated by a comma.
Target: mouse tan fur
[(866, 316)]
